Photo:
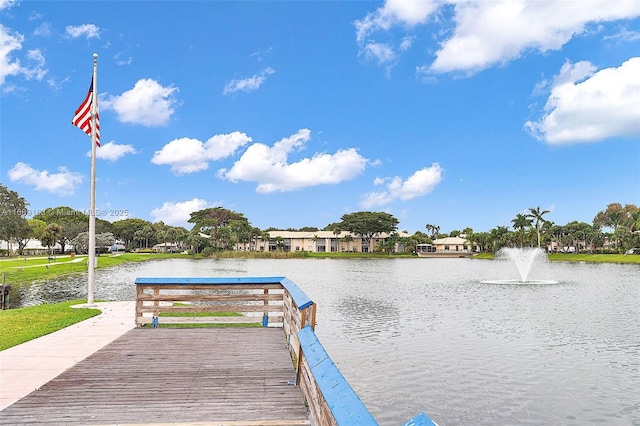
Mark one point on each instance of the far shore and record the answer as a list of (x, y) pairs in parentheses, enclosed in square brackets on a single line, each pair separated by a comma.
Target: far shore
[(25, 269)]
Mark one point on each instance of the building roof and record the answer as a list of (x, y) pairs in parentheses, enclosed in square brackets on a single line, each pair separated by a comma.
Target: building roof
[(451, 241)]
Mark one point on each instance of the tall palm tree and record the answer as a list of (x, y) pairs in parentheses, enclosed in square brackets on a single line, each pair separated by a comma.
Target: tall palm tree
[(537, 215), (520, 223)]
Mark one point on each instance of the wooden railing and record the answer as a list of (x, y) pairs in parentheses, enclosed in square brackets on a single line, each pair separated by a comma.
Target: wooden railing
[(272, 301)]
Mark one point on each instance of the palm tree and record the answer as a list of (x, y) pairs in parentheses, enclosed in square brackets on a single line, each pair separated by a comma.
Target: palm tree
[(337, 232), (520, 223), (537, 215)]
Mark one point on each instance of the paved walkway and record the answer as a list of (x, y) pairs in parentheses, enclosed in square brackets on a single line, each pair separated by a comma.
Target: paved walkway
[(26, 367)]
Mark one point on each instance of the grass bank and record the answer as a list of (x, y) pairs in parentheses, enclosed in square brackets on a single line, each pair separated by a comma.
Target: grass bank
[(28, 269), (24, 324), (581, 257)]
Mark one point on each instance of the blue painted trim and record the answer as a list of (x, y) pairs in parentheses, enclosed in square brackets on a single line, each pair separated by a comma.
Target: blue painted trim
[(188, 281), (344, 403), (299, 296), (420, 420)]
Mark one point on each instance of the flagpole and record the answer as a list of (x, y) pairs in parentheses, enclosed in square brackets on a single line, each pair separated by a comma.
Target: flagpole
[(92, 202)]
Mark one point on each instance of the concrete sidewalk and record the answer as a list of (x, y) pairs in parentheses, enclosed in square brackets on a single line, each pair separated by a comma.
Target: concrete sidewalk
[(26, 367)]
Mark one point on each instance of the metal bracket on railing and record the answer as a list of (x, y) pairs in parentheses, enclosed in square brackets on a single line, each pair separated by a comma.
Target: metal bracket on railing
[(293, 382), (265, 320), (288, 342), (154, 322)]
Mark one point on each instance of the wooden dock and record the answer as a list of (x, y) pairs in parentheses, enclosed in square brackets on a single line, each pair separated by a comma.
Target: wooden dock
[(278, 374), (213, 376)]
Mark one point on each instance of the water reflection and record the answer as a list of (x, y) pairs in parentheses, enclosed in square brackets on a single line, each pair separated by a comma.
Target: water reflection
[(416, 335)]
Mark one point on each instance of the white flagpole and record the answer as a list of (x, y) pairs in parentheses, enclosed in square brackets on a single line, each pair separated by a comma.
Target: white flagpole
[(92, 202)]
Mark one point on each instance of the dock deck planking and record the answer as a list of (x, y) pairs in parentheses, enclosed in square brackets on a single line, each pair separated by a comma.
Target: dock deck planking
[(177, 376)]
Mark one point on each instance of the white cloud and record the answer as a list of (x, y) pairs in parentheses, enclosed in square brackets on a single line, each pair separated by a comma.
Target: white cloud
[(589, 106), (120, 60), (64, 182), (382, 52), (268, 166), (86, 30), (248, 84), (418, 184), (178, 213), (148, 103), (187, 155), (43, 30), (395, 12), (487, 33), (7, 4), (112, 151), (12, 42)]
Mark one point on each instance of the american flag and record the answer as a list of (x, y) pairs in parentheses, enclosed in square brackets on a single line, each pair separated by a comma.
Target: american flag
[(82, 117)]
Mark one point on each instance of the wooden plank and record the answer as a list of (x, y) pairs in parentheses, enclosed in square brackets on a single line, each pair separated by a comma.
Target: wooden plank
[(212, 308), (245, 319), (231, 423), (213, 297), (156, 376)]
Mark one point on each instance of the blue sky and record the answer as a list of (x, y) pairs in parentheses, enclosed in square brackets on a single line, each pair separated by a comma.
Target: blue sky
[(457, 114)]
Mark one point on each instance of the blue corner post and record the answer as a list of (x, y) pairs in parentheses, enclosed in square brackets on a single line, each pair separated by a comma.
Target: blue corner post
[(420, 420)]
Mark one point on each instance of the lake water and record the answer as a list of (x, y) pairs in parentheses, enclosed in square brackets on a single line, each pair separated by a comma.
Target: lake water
[(415, 335)]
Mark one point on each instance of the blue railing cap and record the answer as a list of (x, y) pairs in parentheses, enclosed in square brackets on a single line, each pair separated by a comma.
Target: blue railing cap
[(209, 280), (420, 420), (344, 403)]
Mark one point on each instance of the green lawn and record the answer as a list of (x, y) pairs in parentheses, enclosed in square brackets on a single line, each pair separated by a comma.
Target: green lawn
[(24, 324), (28, 269)]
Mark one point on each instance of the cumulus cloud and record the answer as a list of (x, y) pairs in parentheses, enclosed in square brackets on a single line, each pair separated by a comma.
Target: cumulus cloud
[(112, 151), (495, 32), (64, 182), (11, 42), (187, 155), (588, 106), (148, 103), (270, 169), (418, 184), (85, 30), (483, 33), (178, 213), (394, 12), (7, 4), (248, 84)]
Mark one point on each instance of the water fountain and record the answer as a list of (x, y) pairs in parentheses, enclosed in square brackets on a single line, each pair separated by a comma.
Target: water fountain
[(524, 259)]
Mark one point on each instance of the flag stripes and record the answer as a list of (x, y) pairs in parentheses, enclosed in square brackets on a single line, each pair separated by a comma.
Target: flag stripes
[(82, 117)]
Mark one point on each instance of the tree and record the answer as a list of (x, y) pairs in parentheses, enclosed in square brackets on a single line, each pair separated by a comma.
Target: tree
[(125, 230), (537, 215), (368, 224), (336, 232), (220, 224), (72, 222), (498, 237), (521, 222), (50, 235), (35, 229), (103, 241), (432, 230), (13, 209)]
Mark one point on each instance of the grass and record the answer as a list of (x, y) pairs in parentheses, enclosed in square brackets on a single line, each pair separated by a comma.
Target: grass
[(26, 270), (203, 314), (23, 324), (595, 258)]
